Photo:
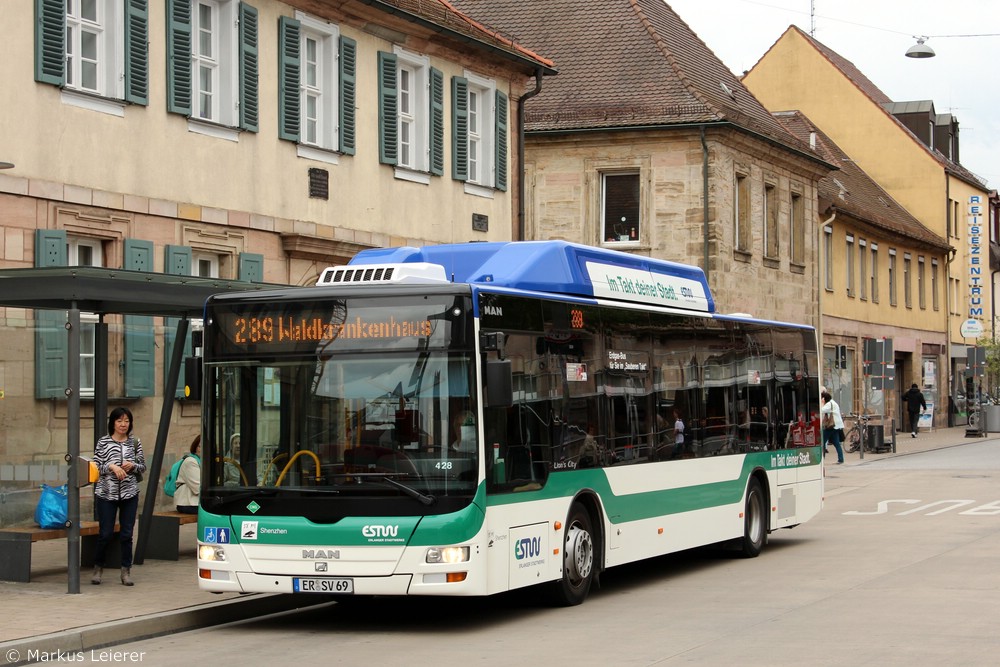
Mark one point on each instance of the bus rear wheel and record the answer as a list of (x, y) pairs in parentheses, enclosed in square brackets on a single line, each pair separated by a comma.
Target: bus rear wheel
[(754, 521), (578, 559)]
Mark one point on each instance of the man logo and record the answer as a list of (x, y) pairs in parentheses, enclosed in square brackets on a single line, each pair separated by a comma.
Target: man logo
[(321, 553)]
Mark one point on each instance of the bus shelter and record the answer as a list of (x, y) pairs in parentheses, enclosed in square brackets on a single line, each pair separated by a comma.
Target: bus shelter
[(102, 292)]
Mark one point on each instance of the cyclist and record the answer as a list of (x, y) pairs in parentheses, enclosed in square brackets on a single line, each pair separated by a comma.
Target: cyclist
[(833, 421)]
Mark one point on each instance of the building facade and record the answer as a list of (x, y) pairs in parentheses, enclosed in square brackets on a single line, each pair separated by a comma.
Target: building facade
[(912, 153), (258, 141)]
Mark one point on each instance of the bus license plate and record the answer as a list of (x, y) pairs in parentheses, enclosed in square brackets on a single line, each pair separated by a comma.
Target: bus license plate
[(326, 585)]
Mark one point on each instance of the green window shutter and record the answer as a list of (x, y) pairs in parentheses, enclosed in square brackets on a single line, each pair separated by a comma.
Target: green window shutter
[(437, 122), (179, 57), (50, 41), (251, 267), (500, 142), (289, 71), (140, 349), (51, 344), (388, 109), (140, 355), (50, 247), (177, 261), (348, 96), (137, 52), (138, 255), (249, 75), (459, 128)]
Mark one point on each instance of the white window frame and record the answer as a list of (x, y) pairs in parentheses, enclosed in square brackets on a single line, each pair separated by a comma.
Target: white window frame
[(921, 283), (220, 63), (849, 263), (320, 129), (893, 278), (796, 229), (77, 248), (204, 264), (874, 274), (108, 60), (482, 121), (935, 301), (863, 269), (624, 235), (413, 123), (907, 280), (742, 224)]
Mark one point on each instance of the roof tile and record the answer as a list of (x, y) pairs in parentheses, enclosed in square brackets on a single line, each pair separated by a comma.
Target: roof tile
[(624, 63)]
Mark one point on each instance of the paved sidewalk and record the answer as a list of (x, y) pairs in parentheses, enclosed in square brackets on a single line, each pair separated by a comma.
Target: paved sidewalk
[(42, 617)]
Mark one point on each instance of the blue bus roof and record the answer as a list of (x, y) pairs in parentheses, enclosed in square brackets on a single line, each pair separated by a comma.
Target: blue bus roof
[(560, 267)]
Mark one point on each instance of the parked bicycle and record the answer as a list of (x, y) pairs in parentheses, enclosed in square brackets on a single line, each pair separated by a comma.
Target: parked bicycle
[(857, 436)]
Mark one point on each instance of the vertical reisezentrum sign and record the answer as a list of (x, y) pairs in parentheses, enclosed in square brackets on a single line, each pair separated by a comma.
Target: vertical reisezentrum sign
[(976, 284)]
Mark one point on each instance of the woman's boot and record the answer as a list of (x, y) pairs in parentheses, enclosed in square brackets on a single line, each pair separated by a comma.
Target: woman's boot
[(95, 578), (127, 576)]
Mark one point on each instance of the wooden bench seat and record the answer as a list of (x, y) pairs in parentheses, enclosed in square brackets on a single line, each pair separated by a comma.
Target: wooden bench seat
[(15, 548), (15, 543), (164, 534)]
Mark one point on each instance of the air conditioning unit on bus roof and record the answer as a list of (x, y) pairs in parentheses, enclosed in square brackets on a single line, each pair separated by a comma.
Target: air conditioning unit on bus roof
[(414, 273)]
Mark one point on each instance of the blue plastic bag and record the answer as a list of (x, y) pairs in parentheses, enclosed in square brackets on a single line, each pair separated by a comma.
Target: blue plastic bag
[(53, 506)]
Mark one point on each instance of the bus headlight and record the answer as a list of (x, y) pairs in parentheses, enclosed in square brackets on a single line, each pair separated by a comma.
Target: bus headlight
[(447, 555), (211, 552)]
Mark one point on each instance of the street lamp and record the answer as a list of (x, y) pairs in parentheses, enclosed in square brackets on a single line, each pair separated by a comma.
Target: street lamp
[(920, 50)]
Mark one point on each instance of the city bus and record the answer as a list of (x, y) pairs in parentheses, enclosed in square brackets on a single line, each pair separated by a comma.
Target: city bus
[(469, 419)]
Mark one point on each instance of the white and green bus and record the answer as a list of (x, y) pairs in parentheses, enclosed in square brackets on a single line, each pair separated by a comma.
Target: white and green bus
[(471, 419)]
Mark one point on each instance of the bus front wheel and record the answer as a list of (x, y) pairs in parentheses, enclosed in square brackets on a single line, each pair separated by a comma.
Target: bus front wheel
[(578, 559), (754, 520)]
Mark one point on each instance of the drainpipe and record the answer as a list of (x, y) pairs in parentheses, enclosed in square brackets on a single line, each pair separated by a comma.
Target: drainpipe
[(520, 153), (704, 199), (819, 300)]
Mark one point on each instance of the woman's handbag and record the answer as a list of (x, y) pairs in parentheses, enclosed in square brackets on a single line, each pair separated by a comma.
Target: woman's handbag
[(828, 420), (52, 508)]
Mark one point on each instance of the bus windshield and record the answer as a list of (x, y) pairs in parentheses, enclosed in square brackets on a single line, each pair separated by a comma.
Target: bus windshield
[(338, 420)]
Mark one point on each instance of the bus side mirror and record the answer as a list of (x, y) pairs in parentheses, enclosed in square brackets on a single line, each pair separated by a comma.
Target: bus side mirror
[(494, 341), (499, 384)]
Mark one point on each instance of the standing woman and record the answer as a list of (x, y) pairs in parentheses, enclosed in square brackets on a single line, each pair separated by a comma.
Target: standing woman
[(121, 463)]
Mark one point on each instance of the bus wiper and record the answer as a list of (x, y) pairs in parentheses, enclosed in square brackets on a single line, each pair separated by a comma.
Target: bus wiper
[(424, 498)]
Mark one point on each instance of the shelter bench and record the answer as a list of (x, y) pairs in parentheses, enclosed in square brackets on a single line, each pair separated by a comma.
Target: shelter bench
[(164, 534), (16, 543)]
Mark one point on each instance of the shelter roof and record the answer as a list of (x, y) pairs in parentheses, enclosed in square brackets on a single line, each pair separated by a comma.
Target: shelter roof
[(101, 290)]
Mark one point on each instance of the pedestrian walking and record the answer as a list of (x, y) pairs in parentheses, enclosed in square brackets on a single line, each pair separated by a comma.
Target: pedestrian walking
[(833, 421), (915, 402)]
